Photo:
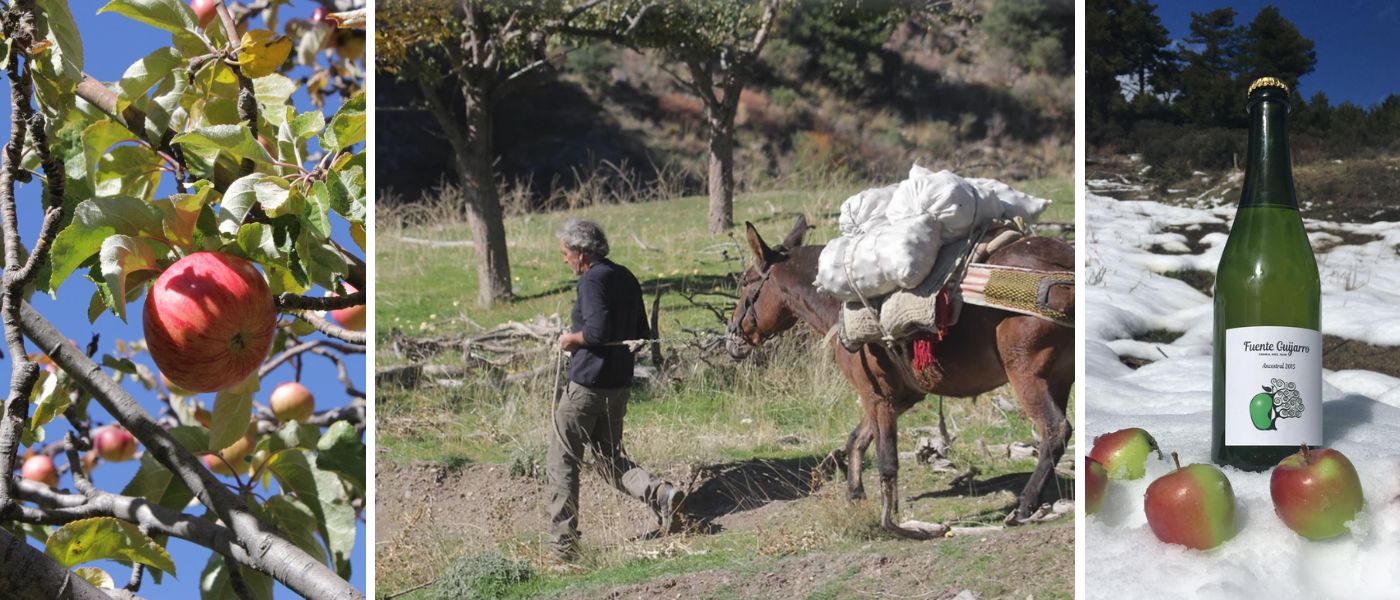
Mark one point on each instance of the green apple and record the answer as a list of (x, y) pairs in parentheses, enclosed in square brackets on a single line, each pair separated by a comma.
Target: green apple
[(1192, 506), (1316, 492), (1123, 453), (1095, 485)]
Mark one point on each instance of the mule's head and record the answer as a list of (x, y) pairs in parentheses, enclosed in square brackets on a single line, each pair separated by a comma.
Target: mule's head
[(763, 310)]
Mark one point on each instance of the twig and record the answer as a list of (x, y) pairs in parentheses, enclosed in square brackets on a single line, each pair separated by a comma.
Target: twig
[(331, 329)]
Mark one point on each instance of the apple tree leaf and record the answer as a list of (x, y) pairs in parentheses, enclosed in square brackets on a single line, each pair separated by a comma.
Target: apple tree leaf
[(97, 139), (341, 450), (297, 522), (170, 15), (270, 192), (97, 577), (144, 74), (347, 127), (233, 410), (214, 582), (120, 258), (261, 52), (102, 538), (232, 138)]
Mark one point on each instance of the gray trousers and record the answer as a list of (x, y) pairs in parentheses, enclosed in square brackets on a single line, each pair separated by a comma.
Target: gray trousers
[(590, 417)]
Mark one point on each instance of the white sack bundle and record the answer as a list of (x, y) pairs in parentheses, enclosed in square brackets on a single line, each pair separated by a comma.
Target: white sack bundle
[(949, 199), (865, 211), (1016, 204), (891, 256)]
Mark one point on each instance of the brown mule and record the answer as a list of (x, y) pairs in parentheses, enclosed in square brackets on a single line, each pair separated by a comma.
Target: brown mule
[(982, 351)]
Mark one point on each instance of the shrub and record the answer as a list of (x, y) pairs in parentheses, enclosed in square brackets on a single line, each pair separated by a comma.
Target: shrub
[(485, 575)]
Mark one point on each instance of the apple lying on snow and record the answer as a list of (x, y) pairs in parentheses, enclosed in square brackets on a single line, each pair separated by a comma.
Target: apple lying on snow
[(209, 321), (1095, 485), (1316, 492), (1123, 453), (1192, 506)]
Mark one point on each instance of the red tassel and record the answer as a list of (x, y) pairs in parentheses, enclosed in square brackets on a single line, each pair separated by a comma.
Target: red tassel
[(923, 341), (923, 352)]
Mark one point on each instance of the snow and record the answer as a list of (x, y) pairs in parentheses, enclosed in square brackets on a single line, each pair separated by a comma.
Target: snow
[(1131, 245)]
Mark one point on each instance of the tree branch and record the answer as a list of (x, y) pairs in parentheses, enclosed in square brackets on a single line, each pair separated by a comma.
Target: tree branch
[(23, 373), (331, 329), (284, 561), (28, 574), (290, 301), (57, 508)]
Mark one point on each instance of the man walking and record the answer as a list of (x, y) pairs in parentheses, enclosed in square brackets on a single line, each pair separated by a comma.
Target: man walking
[(608, 309)]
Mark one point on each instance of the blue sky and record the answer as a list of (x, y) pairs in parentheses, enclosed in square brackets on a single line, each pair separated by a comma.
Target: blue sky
[(1357, 41), (111, 43)]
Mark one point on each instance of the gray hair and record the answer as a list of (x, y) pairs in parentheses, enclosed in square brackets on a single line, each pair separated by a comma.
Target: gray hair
[(584, 237)]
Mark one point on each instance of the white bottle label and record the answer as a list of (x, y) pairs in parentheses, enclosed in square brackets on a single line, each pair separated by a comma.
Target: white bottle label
[(1273, 386)]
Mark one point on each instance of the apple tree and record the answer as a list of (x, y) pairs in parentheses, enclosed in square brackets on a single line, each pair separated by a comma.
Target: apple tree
[(220, 181)]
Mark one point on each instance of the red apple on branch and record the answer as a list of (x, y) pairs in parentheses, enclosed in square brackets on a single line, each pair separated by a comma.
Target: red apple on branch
[(39, 467), (1095, 485), (353, 317), (114, 443), (209, 321), (1192, 506), (1123, 453), (1316, 492), (291, 401), (204, 10)]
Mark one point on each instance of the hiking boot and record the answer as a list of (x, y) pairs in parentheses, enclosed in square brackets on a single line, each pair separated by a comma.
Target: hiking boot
[(668, 509)]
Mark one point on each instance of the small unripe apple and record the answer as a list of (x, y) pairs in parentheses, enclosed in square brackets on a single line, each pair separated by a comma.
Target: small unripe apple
[(209, 321), (1316, 492), (40, 468), (114, 443), (353, 317), (1095, 485), (1192, 506), (235, 454), (1123, 453), (204, 10), (291, 401)]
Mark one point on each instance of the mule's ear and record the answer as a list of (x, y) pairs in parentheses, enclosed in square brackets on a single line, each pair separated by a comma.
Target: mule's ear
[(761, 251), (799, 230)]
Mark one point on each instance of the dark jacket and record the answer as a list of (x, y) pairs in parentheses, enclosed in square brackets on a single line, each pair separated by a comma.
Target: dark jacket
[(609, 308)]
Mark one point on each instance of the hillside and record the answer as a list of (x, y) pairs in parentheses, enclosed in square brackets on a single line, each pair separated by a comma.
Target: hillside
[(827, 105)]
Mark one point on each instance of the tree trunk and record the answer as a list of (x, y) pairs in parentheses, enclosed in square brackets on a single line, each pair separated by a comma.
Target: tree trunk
[(26, 572), (721, 178), (484, 214)]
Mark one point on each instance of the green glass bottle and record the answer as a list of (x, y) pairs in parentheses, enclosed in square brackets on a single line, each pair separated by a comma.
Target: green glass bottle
[(1268, 307)]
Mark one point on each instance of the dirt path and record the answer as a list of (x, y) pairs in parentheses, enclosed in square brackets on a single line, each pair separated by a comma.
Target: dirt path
[(1021, 563), (483, 507), (490, 507)]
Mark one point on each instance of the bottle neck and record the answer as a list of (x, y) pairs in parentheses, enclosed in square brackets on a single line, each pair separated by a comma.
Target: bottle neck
[(1268, 171)]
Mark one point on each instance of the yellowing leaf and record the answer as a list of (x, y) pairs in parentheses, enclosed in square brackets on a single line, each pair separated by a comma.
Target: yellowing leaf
[(101, 538), (97, 577), (261, 52)]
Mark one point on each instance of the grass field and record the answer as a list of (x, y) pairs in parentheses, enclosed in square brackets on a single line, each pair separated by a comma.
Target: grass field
[(787, 403)]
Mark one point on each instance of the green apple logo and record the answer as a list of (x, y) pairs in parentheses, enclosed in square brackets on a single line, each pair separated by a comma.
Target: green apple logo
[(1280, 400)]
